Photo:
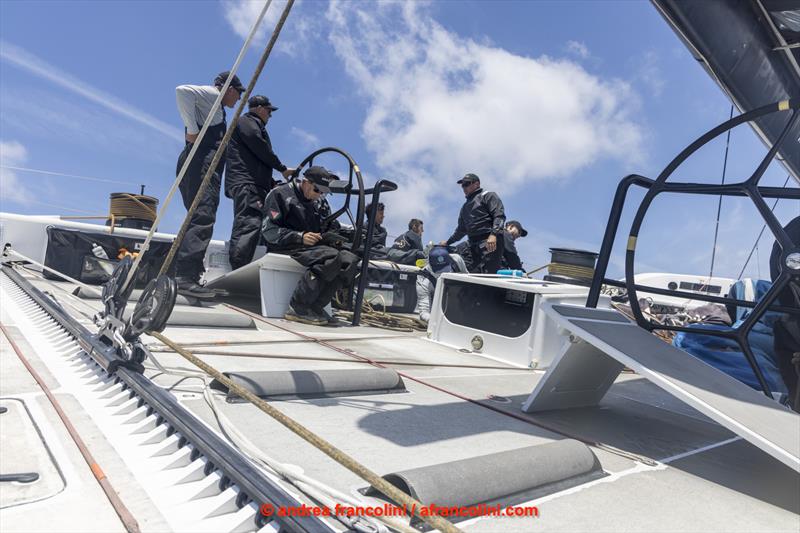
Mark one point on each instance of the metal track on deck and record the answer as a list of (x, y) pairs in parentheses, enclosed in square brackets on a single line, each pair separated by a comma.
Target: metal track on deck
[(198, 480)]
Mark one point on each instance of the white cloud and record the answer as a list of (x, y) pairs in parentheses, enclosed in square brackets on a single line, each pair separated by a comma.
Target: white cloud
[(578, 48), (295, 35), (649, 72), (33, 64), (13, 154), (440, 105), (309, 140)]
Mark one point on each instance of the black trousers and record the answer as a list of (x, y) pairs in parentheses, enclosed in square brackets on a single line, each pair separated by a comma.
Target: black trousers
[(328, 270), (248, 203), (189, 259), (483, 261)]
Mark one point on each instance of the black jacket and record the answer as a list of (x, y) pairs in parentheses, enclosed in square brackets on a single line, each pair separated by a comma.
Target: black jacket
[(288, 214), (250, 159), (481, 215), (510, 256), (408, 241), (378, 236)]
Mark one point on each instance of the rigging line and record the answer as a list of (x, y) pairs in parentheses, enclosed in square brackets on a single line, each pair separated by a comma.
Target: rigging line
[(761, 233), (315, 440), (76, 176), (190, 157), (719, 202)]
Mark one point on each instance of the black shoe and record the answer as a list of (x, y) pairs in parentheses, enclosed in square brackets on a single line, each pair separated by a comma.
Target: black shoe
[(304, 317), (192, 289)]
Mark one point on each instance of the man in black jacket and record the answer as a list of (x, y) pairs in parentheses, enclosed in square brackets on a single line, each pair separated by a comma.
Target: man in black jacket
[(378, 231), (407, 248), (295, 224), (481, 219), (248, 179), (513, 231)]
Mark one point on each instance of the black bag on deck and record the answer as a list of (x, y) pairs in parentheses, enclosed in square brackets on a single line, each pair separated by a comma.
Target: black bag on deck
[(71, 252)]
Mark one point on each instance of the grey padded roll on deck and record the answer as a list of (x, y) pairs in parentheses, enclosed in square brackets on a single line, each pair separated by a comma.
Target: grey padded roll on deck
[(315, 383), (497, 476)]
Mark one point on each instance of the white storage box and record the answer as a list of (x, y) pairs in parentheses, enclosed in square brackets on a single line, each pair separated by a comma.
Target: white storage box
[(501, 317)]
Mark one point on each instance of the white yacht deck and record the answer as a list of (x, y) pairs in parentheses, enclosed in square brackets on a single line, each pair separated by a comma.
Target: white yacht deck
[(669, 468)]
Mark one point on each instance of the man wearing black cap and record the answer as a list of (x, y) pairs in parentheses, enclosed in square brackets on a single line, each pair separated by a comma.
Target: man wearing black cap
[(481, 219), (195, 103), (295, 224), (248, 178), (513, 231)]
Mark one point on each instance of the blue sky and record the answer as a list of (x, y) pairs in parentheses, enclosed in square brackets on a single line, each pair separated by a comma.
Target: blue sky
[(551, 103)]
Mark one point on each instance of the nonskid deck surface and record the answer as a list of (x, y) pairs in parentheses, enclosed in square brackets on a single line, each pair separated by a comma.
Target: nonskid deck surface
[(703, 477)]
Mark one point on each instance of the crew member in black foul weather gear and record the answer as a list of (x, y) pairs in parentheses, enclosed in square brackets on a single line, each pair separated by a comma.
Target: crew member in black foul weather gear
[(248, 178), (294, 224), (407, 248), (378, 231), (195, 103), (482, 220), (513, 231)]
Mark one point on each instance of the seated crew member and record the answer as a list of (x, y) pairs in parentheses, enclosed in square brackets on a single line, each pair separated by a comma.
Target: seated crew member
[(407, 248), (295, 224), (248, 178), (378, 231), (513, 231), (787, 329), (439, 262), (481, 220)]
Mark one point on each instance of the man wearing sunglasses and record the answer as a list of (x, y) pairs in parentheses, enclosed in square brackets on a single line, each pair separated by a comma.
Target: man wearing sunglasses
[(195, 103), (248, 178), (295, 224), (481, 220)]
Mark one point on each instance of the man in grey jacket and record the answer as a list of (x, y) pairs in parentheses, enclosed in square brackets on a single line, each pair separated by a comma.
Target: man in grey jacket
[(195, 103)]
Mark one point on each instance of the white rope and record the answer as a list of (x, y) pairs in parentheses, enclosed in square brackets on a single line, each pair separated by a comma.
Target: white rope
[(196, 144)]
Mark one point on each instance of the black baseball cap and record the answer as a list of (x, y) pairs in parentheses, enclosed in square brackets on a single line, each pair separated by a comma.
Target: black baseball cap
[(320, 177), (522, 231), (259, 100), (468, 178), (222, 77)]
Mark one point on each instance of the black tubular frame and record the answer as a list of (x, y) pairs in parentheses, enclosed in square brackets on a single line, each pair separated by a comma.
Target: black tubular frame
[(235, 467), (748, 188), (358, 221)]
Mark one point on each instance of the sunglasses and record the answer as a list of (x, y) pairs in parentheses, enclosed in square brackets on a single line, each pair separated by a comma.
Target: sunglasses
[(466, 184)]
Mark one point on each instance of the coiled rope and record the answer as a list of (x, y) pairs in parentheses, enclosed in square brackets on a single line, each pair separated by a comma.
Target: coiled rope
[(137, 206)]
